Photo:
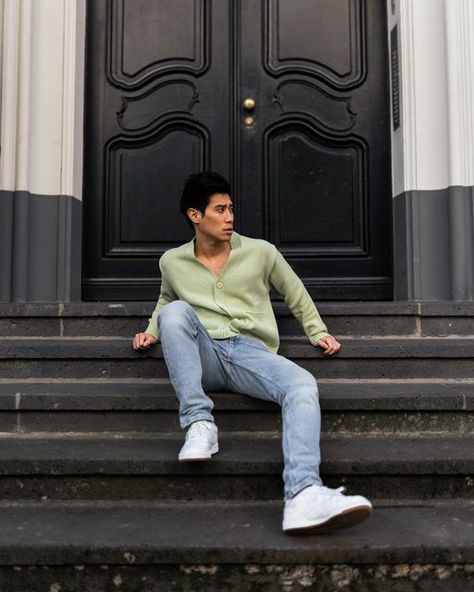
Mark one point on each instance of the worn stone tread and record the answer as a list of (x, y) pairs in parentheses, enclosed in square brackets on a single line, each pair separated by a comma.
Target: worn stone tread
[(298, 347), (89, 309), (240, 453), (124, 533), (158, 394)]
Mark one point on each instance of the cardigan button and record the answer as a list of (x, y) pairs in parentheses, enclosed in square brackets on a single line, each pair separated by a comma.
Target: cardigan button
[(219, 285)]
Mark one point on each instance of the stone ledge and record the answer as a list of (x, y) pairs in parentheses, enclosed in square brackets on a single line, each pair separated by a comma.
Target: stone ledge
[(295, 347), (158, 395), (89, 533), (240, 454), (77, 309)]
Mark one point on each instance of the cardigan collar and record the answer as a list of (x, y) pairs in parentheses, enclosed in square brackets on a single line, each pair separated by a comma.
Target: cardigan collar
[(235, 244)]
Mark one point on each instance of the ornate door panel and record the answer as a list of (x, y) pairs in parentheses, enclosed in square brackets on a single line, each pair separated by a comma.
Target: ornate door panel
[(158, 109), (315, 168), (308, 162)]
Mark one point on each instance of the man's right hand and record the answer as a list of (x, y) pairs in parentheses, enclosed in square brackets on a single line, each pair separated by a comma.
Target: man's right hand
[(143, 341)]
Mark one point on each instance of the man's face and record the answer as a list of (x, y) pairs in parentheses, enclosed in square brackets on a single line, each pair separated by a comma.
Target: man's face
[(218, 220)]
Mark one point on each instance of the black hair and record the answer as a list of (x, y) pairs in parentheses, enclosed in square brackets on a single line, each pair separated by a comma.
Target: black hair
[(198, 189)]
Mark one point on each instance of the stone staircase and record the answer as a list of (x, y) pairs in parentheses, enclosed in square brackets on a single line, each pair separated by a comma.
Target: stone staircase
[(92, 496)]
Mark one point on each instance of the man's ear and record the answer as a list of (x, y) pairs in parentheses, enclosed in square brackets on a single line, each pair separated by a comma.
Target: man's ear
[(194, 215)]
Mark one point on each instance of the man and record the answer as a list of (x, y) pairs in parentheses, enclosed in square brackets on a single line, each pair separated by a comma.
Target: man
[(218, 332)]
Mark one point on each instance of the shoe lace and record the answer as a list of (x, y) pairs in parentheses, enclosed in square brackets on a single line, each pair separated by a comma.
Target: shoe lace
[(332, 491), (197, 430)]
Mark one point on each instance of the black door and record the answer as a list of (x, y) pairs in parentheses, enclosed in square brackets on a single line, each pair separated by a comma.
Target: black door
[(287, 98)]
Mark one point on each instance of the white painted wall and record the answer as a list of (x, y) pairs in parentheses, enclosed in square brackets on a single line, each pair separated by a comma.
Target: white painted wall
[(1, 50), (434, 147), (42, 126)]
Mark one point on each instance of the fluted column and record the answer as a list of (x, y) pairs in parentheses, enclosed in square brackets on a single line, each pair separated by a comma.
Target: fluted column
[(433, 149), (41, 149)]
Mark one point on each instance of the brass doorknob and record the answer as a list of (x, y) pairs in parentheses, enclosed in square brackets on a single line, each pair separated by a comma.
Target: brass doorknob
[(249, 104)]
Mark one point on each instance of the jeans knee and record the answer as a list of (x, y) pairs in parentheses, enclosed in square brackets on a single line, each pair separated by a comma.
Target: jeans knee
[(175, 314), (304, 389)]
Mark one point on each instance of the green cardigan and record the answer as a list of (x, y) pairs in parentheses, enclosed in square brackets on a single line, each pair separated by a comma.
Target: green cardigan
[(237, 301)]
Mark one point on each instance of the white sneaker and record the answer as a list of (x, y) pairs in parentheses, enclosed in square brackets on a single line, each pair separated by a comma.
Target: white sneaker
[(319, 508), (201, 442)]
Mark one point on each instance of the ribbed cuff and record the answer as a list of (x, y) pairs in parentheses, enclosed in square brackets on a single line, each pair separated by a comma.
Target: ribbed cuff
[(152, 329), (314, 339)]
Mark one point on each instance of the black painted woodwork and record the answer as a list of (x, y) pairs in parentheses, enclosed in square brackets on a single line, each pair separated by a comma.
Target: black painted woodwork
[(166, 81)]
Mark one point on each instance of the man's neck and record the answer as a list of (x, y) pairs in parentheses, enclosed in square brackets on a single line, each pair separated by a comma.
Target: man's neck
[(208, 248)]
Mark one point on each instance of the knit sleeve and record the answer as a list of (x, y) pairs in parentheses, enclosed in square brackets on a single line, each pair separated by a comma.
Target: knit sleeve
[(167, 295), (288, 284)]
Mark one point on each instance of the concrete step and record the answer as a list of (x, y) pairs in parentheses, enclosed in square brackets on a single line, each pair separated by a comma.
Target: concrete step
[(92, 496), (343, 318), (159, 547), (372, 406), (359, 358), (248, 466)]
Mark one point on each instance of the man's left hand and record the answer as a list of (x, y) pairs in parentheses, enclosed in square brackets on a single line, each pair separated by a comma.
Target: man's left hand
[(330, 345)]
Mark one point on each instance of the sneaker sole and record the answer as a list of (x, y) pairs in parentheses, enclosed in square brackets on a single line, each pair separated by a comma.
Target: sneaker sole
[(345, 519), (214, 450)]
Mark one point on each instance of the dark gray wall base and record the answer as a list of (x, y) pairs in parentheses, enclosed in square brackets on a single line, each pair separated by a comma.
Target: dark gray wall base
[(434, 244), (40, 247)]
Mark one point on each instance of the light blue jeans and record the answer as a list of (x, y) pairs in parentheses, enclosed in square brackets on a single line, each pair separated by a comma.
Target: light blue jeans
[(198, 363)]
